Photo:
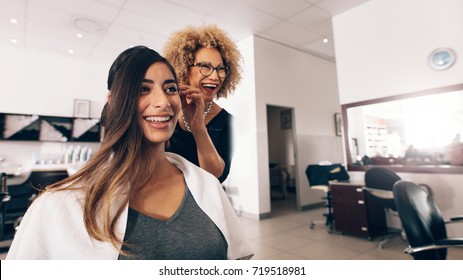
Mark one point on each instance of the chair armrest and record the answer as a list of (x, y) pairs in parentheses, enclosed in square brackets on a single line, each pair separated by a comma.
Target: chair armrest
[(456, 219), (439, 244), (427, 188)]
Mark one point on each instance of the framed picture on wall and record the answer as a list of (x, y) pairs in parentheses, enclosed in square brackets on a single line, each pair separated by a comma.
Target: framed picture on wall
[(338, 123), (285, 119), (81, 108)]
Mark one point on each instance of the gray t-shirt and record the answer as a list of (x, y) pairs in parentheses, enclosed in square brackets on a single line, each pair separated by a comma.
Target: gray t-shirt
[(188, 235)]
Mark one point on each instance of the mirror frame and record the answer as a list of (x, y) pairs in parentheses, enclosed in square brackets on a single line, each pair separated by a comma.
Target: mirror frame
[(450, 169)]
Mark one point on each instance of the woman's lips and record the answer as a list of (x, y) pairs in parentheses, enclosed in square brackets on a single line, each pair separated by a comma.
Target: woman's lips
[(159, 121)]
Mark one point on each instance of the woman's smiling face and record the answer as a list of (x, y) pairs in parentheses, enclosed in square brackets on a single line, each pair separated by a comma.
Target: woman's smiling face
[(158, 103), (211, 84)]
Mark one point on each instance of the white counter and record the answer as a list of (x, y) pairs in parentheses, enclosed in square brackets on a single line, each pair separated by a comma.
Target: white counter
[(18, 174), (50, 167)]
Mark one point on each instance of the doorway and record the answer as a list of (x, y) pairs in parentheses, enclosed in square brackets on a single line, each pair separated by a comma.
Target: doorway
[(282, 159)]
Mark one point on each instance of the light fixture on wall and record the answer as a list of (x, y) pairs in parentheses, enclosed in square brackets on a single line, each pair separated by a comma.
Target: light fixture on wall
[(442, 58)]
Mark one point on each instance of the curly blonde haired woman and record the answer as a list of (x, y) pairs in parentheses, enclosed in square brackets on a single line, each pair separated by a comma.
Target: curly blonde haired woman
[(207, 63)]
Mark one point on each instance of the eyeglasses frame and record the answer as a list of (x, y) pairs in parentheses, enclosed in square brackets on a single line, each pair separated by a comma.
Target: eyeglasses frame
[(200, 64)]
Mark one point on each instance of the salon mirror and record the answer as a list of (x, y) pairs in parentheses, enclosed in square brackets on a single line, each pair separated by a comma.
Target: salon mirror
[(417, 132)]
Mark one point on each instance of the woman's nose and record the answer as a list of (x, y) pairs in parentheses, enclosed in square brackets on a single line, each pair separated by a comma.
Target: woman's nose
[(159, 99), (214, 75)]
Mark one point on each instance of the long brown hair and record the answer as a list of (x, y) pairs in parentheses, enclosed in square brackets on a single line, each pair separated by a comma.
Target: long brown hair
[(118, 168)]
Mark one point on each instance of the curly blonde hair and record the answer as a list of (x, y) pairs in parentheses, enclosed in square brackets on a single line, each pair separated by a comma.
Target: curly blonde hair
[(181, 47)]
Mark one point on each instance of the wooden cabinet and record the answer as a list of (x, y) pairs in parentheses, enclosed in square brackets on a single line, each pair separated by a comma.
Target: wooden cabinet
[(354, 213)]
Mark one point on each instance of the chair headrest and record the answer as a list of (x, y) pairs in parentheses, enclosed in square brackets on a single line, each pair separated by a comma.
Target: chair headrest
[(380, 178)]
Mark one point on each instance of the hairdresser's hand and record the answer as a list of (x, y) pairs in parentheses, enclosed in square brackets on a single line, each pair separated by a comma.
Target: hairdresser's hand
[(192, 106)]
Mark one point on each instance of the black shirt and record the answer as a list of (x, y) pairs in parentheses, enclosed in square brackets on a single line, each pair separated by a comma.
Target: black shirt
[(220, 131)]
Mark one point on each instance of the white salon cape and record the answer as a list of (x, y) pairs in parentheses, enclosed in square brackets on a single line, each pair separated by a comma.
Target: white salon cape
[(53, 226)]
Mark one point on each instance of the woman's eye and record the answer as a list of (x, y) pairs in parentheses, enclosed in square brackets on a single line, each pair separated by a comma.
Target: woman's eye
[(144, 90), (206, 67), (172, 90)]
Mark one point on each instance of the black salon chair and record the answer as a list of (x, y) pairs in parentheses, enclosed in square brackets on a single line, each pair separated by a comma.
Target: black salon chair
[(15, 201), (5, 198), (378, 184), (319, 177), (423, 223)]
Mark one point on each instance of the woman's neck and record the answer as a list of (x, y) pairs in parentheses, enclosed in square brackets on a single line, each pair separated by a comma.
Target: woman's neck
[(162, 194), (156, 157)]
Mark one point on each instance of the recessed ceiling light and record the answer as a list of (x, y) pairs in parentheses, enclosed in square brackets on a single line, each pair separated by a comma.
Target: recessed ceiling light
[(13, 20), (325, 40), (71, 51), (14, 41), (79, 35), (87, 25)]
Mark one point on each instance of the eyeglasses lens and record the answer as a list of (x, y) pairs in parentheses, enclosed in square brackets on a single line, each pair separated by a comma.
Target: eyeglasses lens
[(207, 69)]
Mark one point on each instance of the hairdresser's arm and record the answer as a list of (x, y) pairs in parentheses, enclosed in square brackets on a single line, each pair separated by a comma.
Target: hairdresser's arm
[(209, 158), (193, 109)]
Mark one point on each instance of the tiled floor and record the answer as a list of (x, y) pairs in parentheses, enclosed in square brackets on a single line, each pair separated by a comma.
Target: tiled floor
[(287, 236)]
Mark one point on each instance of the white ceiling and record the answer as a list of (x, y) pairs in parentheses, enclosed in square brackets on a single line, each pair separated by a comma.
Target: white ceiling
[(52, 25)]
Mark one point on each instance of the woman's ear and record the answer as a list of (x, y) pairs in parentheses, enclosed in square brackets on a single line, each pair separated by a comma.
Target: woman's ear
[(109, 97)]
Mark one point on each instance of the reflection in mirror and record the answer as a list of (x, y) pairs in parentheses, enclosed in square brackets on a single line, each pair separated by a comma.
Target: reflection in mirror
[(419, 131)]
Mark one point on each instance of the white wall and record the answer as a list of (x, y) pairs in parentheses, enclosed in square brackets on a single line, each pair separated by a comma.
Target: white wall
[(382, 49), (242, 183), (43, 83), (37, 82), (291, 78)]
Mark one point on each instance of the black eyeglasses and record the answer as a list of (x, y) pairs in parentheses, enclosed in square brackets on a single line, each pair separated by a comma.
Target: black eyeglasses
[(206, 69)]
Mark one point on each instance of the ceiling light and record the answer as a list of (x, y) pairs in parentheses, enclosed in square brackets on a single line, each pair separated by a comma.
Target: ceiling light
[(14, 41), (325, 40), (13, 20), (79, 35), (87, 25), (71, 51)]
